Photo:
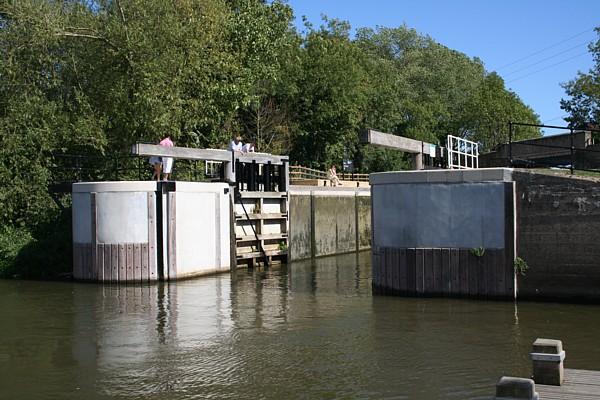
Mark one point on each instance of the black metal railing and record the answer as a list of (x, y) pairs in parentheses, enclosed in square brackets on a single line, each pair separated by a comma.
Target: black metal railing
[(581, 151), (71, 168)]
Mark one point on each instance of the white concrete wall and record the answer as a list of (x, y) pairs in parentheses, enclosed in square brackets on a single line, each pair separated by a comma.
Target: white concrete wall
[(82, 218), (202, 228), (122, 217)]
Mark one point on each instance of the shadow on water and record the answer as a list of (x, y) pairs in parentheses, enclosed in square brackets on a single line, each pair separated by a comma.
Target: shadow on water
[(311, 329)]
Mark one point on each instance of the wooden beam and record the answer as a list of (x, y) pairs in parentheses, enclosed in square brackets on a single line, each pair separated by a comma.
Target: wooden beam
[(396, 142), (143, 149)]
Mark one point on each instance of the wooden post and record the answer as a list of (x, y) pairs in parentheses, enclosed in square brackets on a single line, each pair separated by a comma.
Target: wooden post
[(509, 387), (548, 356)]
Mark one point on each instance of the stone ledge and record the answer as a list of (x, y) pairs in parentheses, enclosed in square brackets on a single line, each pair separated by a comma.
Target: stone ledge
[(443, 176)]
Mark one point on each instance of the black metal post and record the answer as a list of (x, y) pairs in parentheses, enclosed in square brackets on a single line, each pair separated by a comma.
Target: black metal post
[(572, 152), (267, 176), (239, 184), (510, 135)]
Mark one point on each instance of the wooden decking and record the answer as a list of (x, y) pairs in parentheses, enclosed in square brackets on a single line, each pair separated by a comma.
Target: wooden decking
[(579, 385)]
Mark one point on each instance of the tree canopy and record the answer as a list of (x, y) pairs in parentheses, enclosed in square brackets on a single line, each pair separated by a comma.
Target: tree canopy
[(94, 76), (583, 106)]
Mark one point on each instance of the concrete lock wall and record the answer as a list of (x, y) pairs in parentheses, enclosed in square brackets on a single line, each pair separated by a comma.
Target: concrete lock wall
[(443, 232), (328, 221), (114, 231), (199, 229), (558, 236), (146, 231)]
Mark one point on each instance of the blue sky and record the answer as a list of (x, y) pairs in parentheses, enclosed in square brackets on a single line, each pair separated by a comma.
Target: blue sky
[(534, 45)]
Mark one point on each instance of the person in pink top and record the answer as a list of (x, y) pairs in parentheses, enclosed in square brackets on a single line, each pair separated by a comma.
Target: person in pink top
[(167, 162)]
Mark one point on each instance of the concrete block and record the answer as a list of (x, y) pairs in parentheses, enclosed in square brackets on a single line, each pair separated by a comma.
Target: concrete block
[(515, 388), (442, 176), (300, 240), (547, 357), (438, 176)]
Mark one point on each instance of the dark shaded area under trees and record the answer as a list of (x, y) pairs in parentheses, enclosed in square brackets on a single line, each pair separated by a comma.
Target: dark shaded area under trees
[(94, 76)]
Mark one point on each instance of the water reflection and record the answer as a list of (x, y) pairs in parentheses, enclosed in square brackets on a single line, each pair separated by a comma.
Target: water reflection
[(308, 330)]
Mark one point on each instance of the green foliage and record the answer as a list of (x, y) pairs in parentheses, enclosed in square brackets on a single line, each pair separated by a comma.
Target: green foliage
[(283, 246), (521, 266), (94, 77), (583, 105), (478, 251)]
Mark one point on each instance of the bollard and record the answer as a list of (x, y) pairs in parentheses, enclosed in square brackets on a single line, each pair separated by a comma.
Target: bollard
[(510, 388), (548, 356)]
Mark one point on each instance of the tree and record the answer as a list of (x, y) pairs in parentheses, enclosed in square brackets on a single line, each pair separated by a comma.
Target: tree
[(583, 105)]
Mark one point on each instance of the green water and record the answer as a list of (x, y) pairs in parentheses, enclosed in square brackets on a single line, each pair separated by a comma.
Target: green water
[(311, 330)]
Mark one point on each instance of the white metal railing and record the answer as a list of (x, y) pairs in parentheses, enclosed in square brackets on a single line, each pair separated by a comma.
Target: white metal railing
[(462, 153), (212, 168)]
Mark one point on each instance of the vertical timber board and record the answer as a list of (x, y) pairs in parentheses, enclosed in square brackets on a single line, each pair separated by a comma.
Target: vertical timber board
[(446, 272), (149, 271), (463, 266), (482, 273), (144, 263), (171, 237), (107, 266), (472, 267), (383, 271), (390, 270), (100, 261), (411, 264), (395, 283), (438, 284), (122, 262), (75, 260), (454, 272), (500, 268), (376, 268), (428, 285), (129, 263), (491, 273), (137, 262), (88, 262), (386, 271), (114, 256), (510, 238), (419, 273), (95, 273), (402, 271)]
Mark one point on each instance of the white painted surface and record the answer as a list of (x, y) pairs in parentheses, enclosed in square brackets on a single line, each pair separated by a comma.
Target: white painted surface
[(119, 186), (122, 217), (82, 218), (202, 228)]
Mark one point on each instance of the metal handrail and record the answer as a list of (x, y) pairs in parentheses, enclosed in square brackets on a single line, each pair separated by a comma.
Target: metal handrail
[(298, 172)]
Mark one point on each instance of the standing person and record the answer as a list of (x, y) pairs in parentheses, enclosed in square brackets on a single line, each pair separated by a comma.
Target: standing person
[(236, 144), (157, 167), (167, 162), (248, 148), (332, 176)]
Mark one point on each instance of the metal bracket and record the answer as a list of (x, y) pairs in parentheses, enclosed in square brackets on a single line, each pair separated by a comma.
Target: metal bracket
[(548, 357)]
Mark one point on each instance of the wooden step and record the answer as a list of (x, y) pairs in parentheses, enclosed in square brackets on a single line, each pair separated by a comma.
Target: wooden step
[(258, 195), (242, 217), (258, 254), (261, 236)]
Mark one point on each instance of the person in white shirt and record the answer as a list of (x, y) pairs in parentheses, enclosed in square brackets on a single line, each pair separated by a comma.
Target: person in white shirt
[(236, 144), (332, 176), (248, 148)]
